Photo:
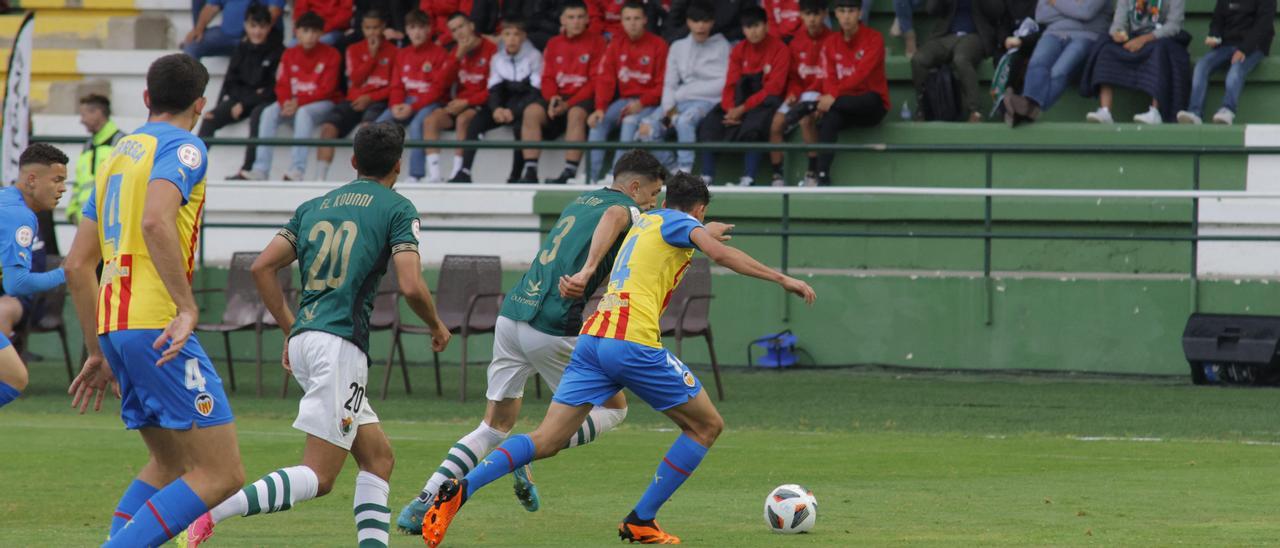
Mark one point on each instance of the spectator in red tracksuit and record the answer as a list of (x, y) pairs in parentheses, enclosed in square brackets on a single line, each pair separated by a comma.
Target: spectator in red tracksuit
[(855, 92), (757, 81), (471, 56), (369, 65), (606, 17), (784, 18), (439, 11), (336, 15), (422, 75), (306, 87), (804, 86), (629, 83), (569, 63)]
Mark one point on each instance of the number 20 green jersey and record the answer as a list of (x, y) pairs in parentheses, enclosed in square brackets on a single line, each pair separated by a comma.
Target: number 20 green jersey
[(343, 241)]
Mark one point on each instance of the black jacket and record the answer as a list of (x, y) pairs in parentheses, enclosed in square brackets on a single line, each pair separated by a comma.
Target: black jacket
[(727, 19), (251, 74), (988, 17), (1246, 24)]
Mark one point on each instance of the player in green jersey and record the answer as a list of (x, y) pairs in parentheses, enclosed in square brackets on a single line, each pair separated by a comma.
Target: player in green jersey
[(342, 241), (537, 327)]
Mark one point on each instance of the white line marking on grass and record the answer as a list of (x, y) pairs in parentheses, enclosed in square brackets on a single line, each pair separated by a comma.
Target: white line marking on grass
[(1114, 438)]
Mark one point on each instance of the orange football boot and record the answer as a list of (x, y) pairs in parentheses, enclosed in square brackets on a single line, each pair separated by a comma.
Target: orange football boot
[(452, 494), (633, 529)]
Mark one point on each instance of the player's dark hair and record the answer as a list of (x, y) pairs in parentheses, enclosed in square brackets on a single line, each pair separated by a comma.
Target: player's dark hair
[(44, 154), (258, 14), (175, 82), (700, 11), (311, 21), (813, 6), (572, 5), (639, 163), (458, 14), (417, 18), (516, 22), (375, 14), (377, 149), (752, 15), (100, 102), (685, 192), (855, 4), (634, 5)]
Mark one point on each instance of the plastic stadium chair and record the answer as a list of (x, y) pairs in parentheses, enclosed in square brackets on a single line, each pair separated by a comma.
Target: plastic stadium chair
[(46, 316), (689, 313), (468, 296), (244, 309), (386, 316)]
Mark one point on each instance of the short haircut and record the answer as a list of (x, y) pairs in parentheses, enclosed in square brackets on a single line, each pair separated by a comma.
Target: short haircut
[(700, 10), (752, 15), (515, 22), (685, 192), (378, 147), (258, 14), (458, 14), (635, 5), (44, 154), (100, 102), (175, 82), (813, 6), (375, 14), (310, 20), (640, 163), (417, 18), (573, 5), (855, 4)]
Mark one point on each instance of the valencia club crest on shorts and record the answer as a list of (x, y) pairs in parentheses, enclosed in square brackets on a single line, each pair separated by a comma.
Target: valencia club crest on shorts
[(688, 379), (204, 404)]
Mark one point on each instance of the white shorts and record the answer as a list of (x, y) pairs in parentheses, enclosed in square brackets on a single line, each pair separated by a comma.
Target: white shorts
[(333, 373), (518, 351)]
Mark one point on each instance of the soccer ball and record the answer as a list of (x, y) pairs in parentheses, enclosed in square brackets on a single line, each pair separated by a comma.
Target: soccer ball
[(790, 509)]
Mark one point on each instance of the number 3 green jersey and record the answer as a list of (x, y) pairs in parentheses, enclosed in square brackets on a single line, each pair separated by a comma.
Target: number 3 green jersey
[(343, 241), (536, 299)]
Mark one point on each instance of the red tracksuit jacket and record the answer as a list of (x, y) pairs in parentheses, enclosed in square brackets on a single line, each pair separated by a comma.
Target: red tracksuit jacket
[(784, 17), (770, 57), (568, 64), (308, 76), (606, 16), (807, 66), (633, 69), (472, 74), (422, 72), (439, 12), (855, 66), (336, 13), (367, 74)]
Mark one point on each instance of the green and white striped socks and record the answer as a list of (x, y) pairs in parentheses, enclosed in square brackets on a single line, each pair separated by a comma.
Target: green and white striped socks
[(599, 421), (462, 457), (275, 492), (373, 518)]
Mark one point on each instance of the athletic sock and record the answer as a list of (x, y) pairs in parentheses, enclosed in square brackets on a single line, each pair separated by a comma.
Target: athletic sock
[(373, 518), (457, 166), (433, 166), (571, 168), (322, 171), (275, 492), (599, 421), (132, 500), (462, 457), (531, 165), (777, 168), (164, 515), (680, 462), (513, 453), (7, 394)]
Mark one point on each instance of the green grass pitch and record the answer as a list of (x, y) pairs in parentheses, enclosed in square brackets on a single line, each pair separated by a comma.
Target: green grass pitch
[(894, 458)]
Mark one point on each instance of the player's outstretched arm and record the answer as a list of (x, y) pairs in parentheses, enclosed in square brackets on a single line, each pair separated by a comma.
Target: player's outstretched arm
[(612, 223), (738, 261), (408, 267), (82, 280), (160, 232)]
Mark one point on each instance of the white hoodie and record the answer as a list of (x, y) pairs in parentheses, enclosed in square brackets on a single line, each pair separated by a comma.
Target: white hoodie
[(526, 63), (695, 71)]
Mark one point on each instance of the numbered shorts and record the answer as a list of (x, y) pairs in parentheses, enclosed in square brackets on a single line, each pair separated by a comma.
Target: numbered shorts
[(185, 391), (601, 367), (519, 350), (333, 373)]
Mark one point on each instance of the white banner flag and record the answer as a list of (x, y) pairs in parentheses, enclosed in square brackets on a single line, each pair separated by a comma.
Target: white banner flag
[(17, 99)]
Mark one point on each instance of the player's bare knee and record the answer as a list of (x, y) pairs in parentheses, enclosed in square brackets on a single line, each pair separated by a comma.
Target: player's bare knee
[(705, 430), (545, 445), (17, 378)]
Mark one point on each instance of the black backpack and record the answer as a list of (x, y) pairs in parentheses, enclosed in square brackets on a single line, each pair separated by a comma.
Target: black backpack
[(940, 101)]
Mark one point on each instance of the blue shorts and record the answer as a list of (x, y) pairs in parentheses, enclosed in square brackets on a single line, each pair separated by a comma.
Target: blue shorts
[(4, 342), (600, 368), (183, 392)]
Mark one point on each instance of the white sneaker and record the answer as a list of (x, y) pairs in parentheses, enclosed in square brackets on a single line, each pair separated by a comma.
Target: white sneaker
[(1188, 117), (579, 179), (1151, 116), (1224, 116), (746, 181), (435, 179), (1100, 116), (294, 175), (606, 181), (895, 30)]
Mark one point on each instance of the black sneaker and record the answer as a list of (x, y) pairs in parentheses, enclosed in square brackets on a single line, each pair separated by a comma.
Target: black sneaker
[(563, 179), (463, 176), (798, 111), (530, 177), (824, 179)]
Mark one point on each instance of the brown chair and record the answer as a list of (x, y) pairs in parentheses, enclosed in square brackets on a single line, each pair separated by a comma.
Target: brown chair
[(386, 316), (244, 309), (689, 313), (47, 309), (468, 297)]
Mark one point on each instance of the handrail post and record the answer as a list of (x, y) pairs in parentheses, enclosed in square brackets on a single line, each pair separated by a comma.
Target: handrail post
[(786, 252), (1195, 234), (988, 290)]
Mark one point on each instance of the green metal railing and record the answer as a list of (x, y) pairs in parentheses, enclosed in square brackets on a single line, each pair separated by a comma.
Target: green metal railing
[(785, 232)]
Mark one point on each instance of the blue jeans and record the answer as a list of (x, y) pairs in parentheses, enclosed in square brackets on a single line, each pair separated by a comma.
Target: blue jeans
[(1215, 59), (689, 114), (214, 43), (902, 9), (417, 156), (306, 120), (612, 118), (1054, 61)]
